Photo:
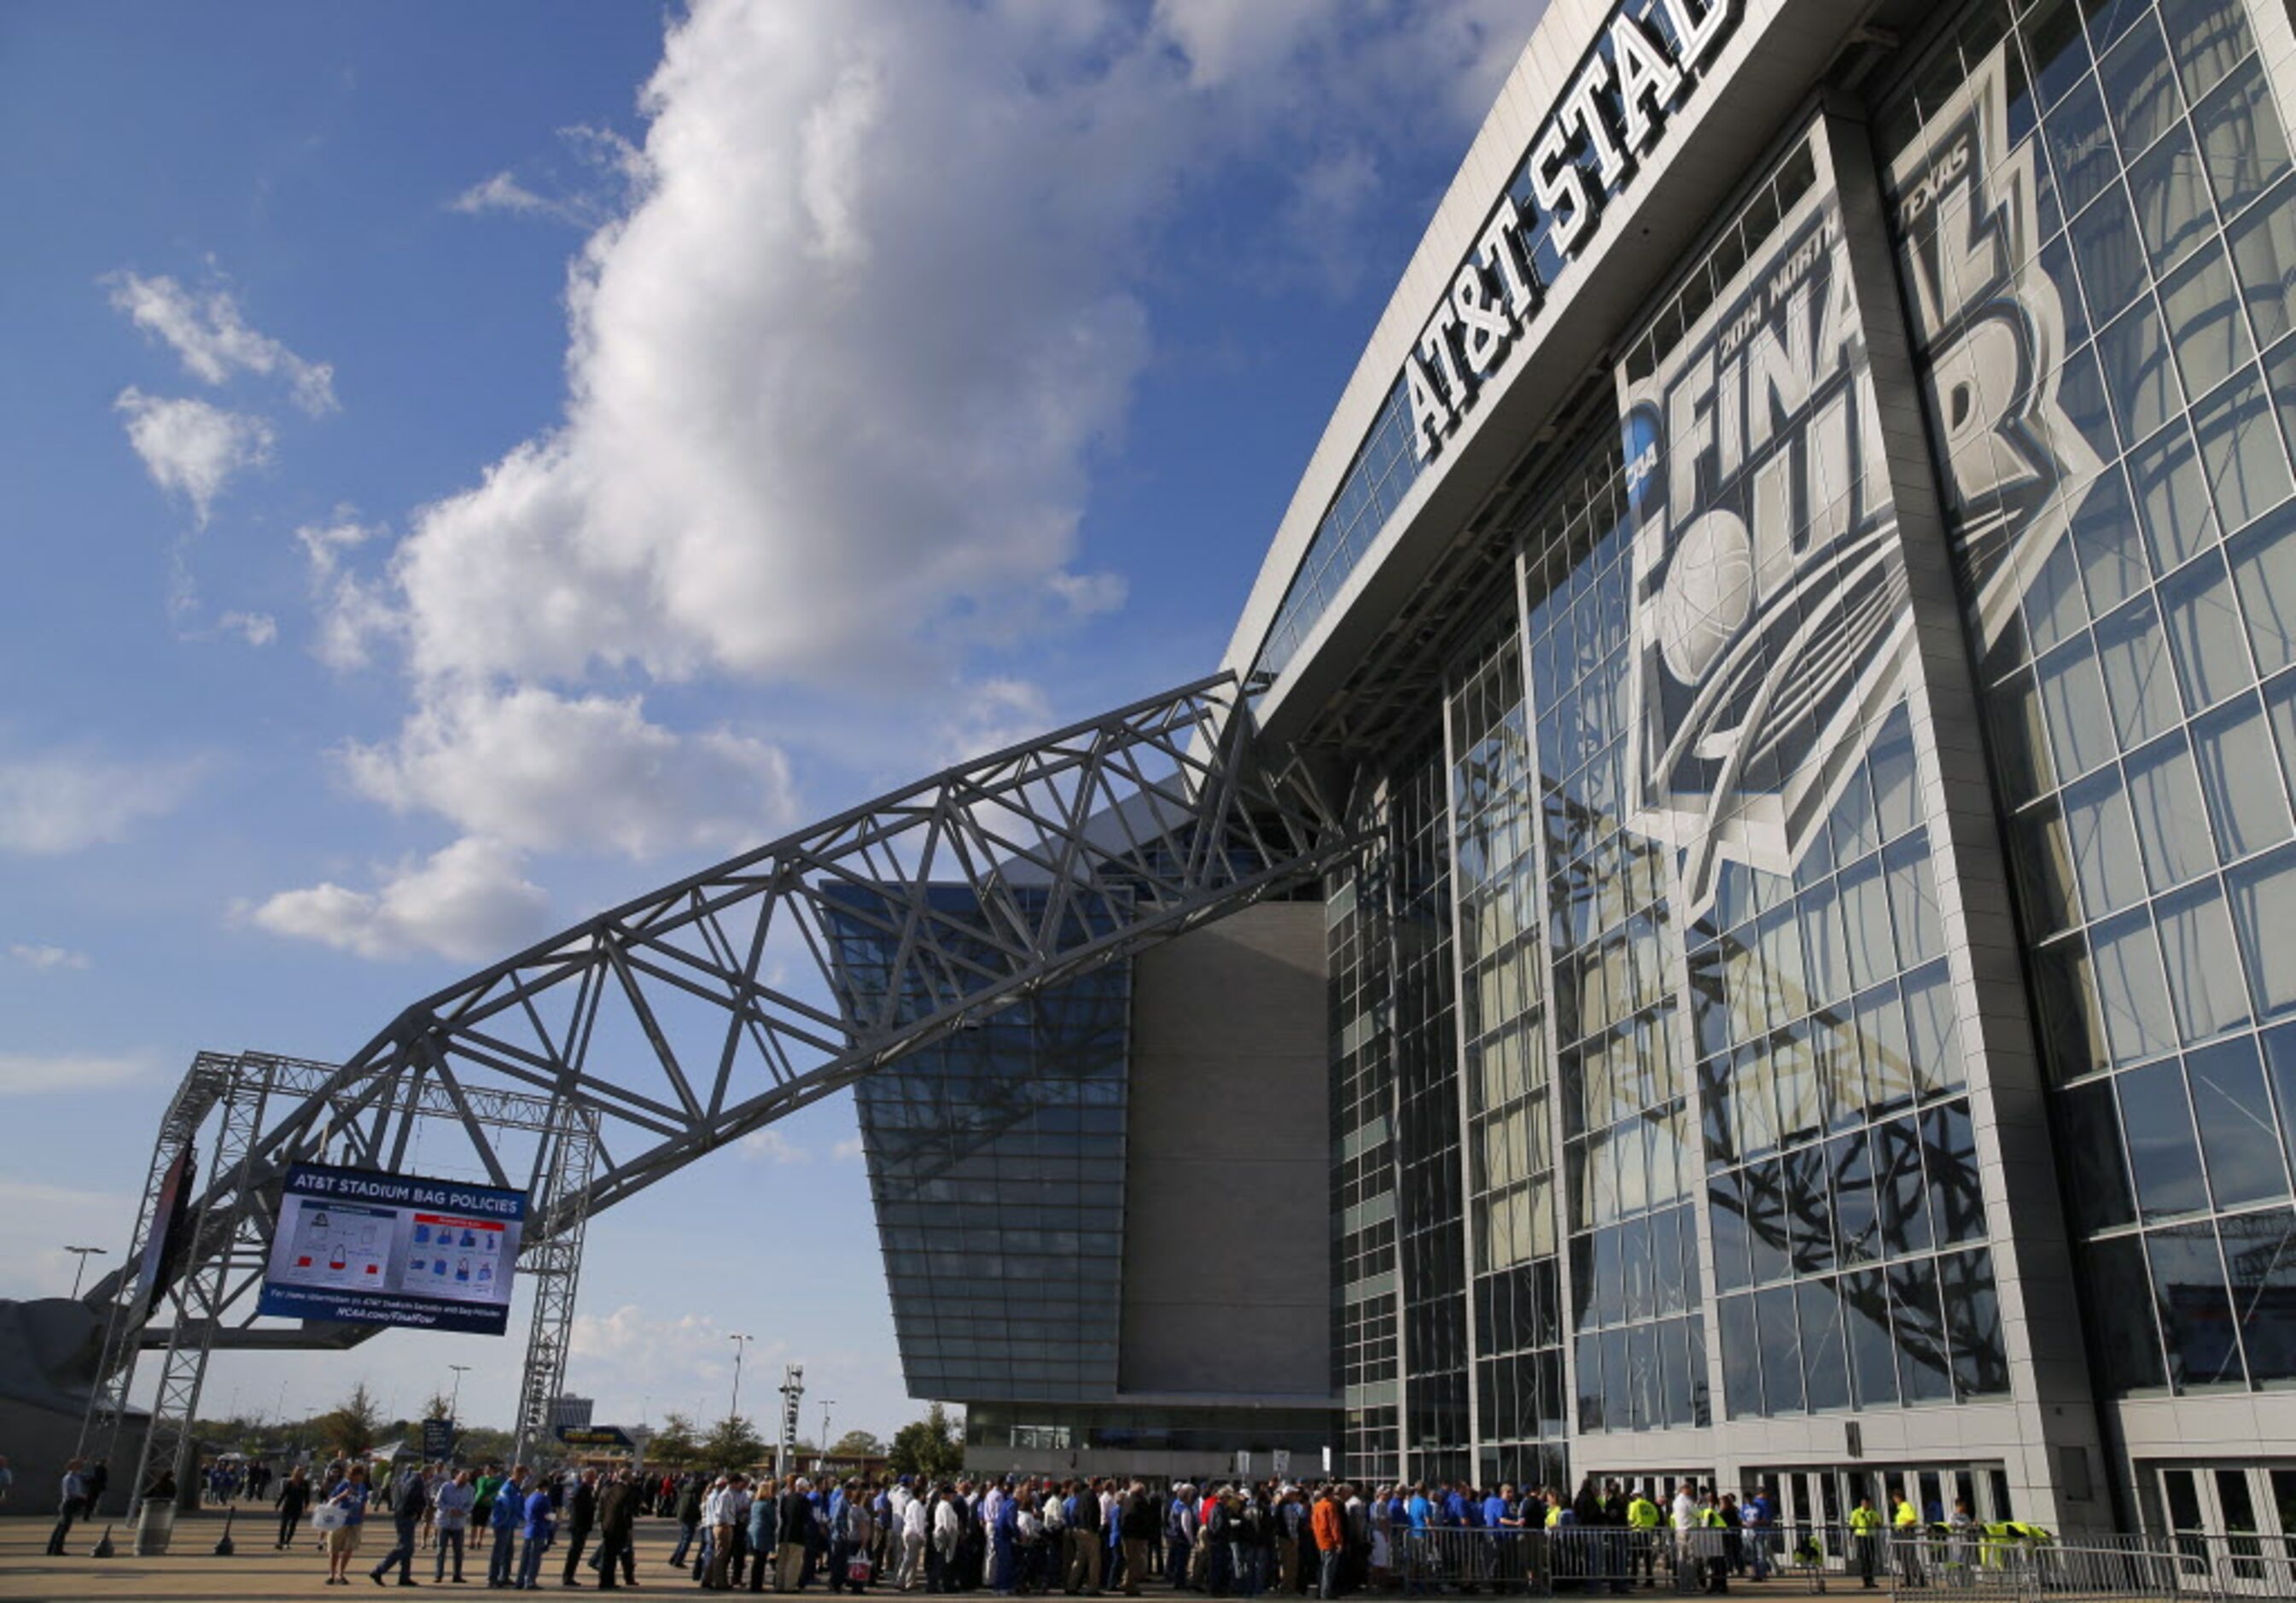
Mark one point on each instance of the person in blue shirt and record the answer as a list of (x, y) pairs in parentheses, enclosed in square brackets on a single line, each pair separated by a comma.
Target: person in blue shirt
[(1497, 1509), (1456, 1509), (349, 1494), (510, 1504), (1004, 1542), (541, 1525), (1417, 1511)]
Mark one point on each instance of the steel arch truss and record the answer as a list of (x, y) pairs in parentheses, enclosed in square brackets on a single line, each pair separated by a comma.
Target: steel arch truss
[(686, 1019)]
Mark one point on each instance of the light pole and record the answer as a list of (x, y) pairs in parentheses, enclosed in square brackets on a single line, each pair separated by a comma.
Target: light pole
[(454, 1403), (740, 1345), (83, 1252), (827, 1403)]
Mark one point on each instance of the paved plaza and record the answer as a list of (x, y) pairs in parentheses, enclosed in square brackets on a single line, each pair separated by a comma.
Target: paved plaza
[(191, 1571)]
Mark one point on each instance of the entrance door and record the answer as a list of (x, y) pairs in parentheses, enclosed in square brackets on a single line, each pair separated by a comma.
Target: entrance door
[(2234, 1525)]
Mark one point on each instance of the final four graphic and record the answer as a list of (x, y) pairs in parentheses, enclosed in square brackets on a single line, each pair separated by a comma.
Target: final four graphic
[(1770, 611), (1992, 323)]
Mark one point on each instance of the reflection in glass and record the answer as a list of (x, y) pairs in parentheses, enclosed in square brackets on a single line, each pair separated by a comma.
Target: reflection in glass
[(1781, 1350), (2262, 893), (2239, 1139), (2098, 1182), (2171, 496), (2161, 1154), (2259, 1253), (2264, 573), (2196, 1315), (1919, 1328), (1972, 1309), (1873, 1354), (2240, 778), (2119, 1292), (2205, 326), (2165, 800), (2196, 946), (2204, 632), (2134, 656)]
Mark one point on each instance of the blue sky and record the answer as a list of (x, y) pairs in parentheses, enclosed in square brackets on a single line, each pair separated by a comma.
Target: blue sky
[(467, 466)]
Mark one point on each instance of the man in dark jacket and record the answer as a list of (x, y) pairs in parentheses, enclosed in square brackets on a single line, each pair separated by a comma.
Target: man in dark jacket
[(617, 1529), (581, 1516), (796, 1533)]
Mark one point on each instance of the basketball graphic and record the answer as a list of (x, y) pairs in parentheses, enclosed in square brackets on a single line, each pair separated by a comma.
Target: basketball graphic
[(1708, 594)]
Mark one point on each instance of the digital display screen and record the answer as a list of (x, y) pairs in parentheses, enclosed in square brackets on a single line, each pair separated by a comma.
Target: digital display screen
[(356, 1246)]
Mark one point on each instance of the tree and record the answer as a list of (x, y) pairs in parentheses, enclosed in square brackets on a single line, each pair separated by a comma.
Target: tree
[(351, 1426), (439, 1407), (857, 1444), (930, 1447), (732, 1443), (673, 1446)]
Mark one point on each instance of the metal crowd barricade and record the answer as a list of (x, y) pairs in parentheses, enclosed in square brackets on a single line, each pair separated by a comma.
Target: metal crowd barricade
[(1932, 1565)]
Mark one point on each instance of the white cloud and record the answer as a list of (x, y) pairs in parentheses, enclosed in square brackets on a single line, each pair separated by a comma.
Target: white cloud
[(190, 448), (605, 167), (211, 338), (354, 612), (61, 802), (467, 901), (770, 1146), (989, 715), (39, 955), (37, 1073), (847, 1150), (257, 628), (536, 770)]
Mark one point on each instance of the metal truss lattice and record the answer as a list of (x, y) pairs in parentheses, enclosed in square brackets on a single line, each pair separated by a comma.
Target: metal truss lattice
[(682, 1019)]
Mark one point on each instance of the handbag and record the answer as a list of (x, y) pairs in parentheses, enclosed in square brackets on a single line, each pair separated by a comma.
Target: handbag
[(858, 1572), (330, 1516)]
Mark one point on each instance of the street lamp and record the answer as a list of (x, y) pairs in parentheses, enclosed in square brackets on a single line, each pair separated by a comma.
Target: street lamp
[(454, 1404), (827, 1403), (83, 1252), (740, 1345)]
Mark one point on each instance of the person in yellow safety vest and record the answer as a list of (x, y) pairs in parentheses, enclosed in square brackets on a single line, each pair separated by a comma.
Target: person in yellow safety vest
[(1713, 1551), (1641, 1553), (1866, 1537), (1908, 1519)]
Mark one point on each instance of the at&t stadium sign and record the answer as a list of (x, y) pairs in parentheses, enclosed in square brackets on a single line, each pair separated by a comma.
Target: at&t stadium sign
[(1646, 65)]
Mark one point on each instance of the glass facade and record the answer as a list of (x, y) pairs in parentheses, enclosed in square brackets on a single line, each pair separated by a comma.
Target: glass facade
[(2121, 510), (996, 1161)]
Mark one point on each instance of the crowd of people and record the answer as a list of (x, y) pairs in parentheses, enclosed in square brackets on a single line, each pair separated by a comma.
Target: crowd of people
[(1022, 1535)]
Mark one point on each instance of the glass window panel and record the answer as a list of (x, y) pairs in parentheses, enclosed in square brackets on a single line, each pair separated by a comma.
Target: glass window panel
[(1905, 1224), (2264, 912), (2259, 1253), (2054, 605), (2111, 252), (2120, 1306), (2241, 141), (1766, 1220), (2134, 653), (1918, 1325), (1973, 1312), (1590, 1383), (1896, 791), (1827, 962), (2241, 450), (2080, 726), (2196, 943), (2020, 739), (2241, 778), (2172, 202), (1741, 1358), (2079, 147), (2239, 1139), (1840, 1071), (2138, 374), (1753, 1099), (2105, 532), (1856, 1215), (2140, 87), (1725, 1196), (2071, 1021), (1913, 899), (2044, 854), (1781, 1337), (2195, 1314), (1826, 1363), (2172, 497), (1866, 919), (1950, 1154), (2165, 800), (2204, 632), (2264, 572), (1809, 1211), (1889, 1056), (2090, 1120), (1873, 1354), (1932, 1032), (2208, 37), (2264, 255), (1855, 828), (2104, 844), (1618, 1383), (2205, 326), (2161, 1152), (2080, 397)]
